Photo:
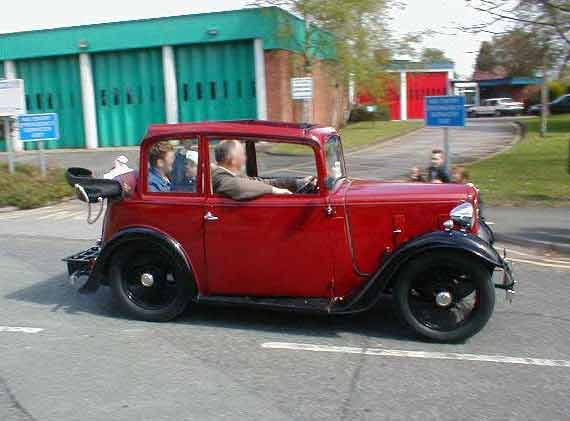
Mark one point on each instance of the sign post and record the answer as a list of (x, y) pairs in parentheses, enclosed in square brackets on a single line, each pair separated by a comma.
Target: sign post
[(446, 112), (12, 103), (302, 89), (39, 128)]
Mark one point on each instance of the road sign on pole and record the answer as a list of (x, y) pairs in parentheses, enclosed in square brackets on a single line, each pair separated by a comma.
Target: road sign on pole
[(446, 112), (12, 99), (12, 103), (302, 88), (39, 128)]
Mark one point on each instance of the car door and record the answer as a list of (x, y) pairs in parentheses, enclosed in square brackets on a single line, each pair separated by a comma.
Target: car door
[(270, 246)]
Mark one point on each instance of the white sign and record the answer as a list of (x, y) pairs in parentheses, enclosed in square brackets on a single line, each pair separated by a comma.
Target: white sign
[(302, 87), (12, 99)]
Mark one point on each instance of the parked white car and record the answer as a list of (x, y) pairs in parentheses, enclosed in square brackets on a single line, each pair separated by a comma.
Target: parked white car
[(496, 107)]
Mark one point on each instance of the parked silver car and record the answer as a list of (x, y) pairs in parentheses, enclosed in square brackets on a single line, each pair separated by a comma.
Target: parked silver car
[(496, 107)]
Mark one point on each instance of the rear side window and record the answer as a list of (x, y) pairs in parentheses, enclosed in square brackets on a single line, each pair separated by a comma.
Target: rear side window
[(173, 167)]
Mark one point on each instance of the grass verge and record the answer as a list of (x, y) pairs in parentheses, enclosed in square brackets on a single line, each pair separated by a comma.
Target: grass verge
[(533, 172), (25, 189), (359, 135)]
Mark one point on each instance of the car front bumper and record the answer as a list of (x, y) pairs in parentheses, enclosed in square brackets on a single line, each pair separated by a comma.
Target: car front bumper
[(509, 282)]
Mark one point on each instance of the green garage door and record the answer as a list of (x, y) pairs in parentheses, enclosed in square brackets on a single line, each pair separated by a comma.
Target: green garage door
[(2, 140), (53, 85), (129, 91), (216, 81)]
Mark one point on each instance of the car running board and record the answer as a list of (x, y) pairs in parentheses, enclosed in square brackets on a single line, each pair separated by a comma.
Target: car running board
[(310, 305)]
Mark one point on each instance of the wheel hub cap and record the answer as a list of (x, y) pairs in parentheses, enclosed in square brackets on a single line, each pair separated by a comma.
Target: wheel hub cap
[(443, 299), (147, 280)]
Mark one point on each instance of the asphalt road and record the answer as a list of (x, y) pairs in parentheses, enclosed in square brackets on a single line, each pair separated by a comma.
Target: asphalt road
[(64, 356)]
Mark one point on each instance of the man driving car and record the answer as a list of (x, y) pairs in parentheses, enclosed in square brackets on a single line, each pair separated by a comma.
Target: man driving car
[(228, 178)]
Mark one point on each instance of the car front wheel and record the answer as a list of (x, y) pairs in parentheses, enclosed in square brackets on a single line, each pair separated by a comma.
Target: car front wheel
[(148, 284), (445, 296)]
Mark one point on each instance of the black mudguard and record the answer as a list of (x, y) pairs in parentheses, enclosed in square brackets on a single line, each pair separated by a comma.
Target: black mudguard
[(99, 274), (382, 280)]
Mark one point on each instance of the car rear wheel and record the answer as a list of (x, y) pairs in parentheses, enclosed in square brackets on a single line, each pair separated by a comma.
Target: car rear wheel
[(148, 284), (445, 296)]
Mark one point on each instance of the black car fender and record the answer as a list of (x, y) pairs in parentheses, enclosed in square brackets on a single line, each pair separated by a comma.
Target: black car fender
[(99, 273), (449, 240), (383, 279)]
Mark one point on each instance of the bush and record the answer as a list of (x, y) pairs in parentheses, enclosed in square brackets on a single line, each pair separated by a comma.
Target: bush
[(26, 188), (556, 89), (370, 113)]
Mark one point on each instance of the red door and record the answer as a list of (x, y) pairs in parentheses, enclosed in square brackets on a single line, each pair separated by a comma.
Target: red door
[(270, 246), (421, 85)]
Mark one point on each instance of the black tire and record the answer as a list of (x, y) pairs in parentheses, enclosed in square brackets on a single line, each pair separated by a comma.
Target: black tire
[(172, 287), (469, 283)]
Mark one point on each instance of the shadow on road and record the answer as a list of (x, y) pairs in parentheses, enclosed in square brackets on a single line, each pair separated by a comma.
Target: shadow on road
[(381, 322)]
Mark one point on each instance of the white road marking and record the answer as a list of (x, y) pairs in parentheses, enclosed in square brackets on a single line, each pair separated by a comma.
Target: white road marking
[(54, 215), (542, 259), (380, 352), (14, 329), (539, 263)]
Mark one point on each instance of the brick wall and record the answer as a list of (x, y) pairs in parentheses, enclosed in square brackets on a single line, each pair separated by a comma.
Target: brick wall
[(330, 100)]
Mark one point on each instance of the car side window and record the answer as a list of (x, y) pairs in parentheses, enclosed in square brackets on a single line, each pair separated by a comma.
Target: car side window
[(285, 160), (283, 165), (173, 166)]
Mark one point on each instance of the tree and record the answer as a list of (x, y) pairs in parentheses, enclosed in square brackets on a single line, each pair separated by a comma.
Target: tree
[(361, 40), (547, 20), (517, 52), (434, 55), (486, 61)]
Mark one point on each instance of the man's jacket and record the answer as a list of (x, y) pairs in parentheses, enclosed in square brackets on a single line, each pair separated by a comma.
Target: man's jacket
[(239, 187)]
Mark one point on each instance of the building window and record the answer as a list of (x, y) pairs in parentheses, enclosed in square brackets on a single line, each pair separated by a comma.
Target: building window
[(213, 90), (116, 96), (130, 96), (199, 93), (186, 92), (239, 89)]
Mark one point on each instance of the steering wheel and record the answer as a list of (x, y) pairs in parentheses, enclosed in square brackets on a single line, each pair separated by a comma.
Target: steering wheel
[(310, 186)]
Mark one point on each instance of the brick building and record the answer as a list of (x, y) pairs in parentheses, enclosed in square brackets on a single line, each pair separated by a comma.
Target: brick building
[(408, 83), (108, 82)]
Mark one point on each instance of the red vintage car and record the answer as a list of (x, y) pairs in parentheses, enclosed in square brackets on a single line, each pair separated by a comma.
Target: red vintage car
[(335, 245)]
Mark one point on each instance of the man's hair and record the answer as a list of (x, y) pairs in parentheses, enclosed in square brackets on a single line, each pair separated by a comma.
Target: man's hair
[(438, 151), (159, 151), (225, 150)]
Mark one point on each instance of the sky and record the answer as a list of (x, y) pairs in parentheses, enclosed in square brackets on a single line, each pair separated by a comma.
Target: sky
[(417, 15)]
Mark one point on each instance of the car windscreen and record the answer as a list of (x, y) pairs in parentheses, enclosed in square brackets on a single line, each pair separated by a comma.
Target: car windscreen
[(336, 168)]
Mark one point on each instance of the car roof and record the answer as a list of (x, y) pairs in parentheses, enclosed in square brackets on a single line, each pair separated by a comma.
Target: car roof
[(254, 128)]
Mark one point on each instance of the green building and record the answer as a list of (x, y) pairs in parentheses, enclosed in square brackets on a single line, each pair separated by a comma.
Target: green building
[(108, 82)]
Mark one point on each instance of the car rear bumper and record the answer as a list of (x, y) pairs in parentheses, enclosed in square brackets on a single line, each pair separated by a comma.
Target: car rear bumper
[(81, 265)]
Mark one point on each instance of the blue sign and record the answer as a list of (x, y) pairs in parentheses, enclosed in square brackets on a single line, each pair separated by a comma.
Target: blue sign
[(445, 111), (38, 127)]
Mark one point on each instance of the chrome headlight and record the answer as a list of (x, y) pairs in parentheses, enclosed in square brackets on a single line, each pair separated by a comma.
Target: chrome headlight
[(463, 215)]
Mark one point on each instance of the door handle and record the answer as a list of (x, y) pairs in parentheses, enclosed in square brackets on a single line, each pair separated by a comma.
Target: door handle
[(210, 217)]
